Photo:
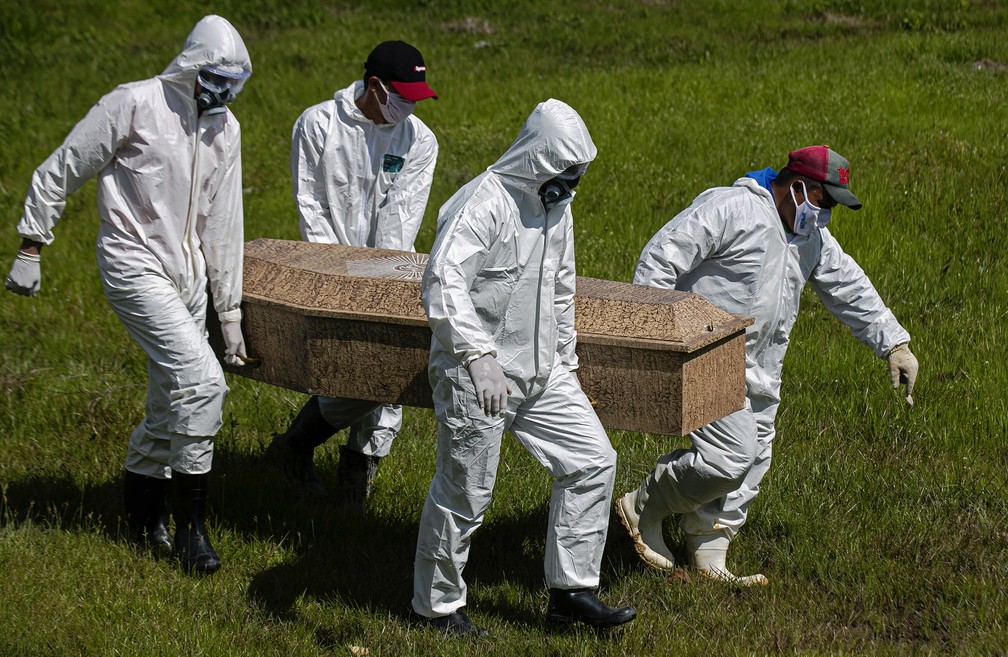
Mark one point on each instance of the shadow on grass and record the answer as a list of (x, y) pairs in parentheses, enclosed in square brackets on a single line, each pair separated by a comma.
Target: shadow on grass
[(339, 556), (60, 501), (368, 562)]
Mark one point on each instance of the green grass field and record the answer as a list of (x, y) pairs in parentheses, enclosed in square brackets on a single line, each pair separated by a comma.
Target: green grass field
[(881, 527)]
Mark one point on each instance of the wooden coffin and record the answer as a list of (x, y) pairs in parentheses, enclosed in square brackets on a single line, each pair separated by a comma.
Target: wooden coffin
[(349, 322)]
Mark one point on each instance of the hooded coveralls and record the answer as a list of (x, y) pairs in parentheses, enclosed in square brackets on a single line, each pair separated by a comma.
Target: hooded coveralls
[(731, 247), (358, 183), (169, 198), (500, 281)]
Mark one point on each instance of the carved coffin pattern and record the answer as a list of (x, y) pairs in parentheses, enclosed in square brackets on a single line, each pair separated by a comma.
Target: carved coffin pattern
[(348, 322)]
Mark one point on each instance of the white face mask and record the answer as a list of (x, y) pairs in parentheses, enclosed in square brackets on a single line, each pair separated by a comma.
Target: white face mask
[(823, 218), (806, 214), (397, 109)]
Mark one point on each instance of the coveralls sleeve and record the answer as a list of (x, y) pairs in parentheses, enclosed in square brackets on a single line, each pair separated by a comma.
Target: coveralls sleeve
[(563, 300), (89, 147), (680, 246), (307, 143), (222, 236), (845, 290), (451, 272), (402, 211)]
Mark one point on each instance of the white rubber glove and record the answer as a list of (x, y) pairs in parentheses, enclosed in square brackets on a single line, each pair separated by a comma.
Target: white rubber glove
[(903, 368), (492, 387), (234, 344), (25, 277)]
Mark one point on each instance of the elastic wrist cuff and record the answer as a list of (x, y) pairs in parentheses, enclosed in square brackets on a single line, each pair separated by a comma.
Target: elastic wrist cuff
[(900, 347), (230, 316)]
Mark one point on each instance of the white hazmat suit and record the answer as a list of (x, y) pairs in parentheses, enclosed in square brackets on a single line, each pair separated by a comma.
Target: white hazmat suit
[(360, 183), (170, 202), (500, 282), (731, 247)]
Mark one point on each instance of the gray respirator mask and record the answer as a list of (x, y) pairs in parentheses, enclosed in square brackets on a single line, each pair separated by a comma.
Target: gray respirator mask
[(218, 89), (559, 190)]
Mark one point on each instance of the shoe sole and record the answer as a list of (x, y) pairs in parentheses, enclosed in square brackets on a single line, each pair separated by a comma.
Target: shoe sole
[(622, 516), (640, 546), (471, 631), (559, 619), (195, 568), (746, 581)]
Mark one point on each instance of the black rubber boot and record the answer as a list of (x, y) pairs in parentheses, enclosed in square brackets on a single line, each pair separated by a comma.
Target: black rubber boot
[(354, 476), (457, 623), (294, 450), (146, 501), (192, 545), (581, 605)]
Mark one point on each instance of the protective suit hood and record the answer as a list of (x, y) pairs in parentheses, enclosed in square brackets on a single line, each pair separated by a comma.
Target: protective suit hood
[(347, 99), (553, 139), (213, 42)]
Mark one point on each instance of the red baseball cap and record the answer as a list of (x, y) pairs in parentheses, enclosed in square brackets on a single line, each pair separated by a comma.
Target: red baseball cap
[(824, 165), (401, 65)]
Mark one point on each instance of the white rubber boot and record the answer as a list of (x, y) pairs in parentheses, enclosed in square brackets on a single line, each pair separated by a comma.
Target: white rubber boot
[(709, 552), (646, 532)]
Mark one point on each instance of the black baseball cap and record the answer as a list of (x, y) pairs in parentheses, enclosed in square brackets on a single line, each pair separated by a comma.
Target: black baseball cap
[(402, 66)]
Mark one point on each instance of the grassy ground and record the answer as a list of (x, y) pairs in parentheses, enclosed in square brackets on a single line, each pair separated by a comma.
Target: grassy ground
[(881, 527)]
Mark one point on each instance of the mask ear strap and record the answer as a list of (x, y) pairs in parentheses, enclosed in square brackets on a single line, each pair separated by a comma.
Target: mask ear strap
[(804, 192), (809, 201)]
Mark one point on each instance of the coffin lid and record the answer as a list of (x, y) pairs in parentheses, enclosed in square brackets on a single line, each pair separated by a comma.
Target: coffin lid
[(326, 280)]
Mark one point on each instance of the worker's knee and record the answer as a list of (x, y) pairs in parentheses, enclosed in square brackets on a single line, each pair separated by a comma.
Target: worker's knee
[(595, 467), (736, 464), (606, 458), (726, 449), (595, 455), (197, 404)]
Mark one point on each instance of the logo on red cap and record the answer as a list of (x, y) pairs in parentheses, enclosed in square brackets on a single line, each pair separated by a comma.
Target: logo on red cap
[(843, 175)]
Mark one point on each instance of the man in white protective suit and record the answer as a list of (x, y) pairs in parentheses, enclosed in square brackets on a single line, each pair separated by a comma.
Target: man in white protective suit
[(750, 249), (167, 154), (499, 295), (362, 165)]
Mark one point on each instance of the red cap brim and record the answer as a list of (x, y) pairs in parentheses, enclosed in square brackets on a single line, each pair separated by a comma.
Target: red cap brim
[(413, 91)]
